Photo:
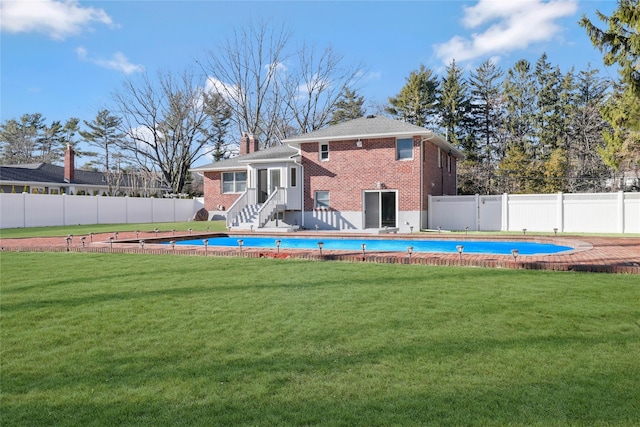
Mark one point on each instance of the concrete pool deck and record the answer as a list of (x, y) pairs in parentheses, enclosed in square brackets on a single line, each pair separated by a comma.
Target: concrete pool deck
[(589, 254)]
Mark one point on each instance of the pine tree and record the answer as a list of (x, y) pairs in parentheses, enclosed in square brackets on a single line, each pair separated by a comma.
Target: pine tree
[(417, 100), (454, 105), (348, 107)]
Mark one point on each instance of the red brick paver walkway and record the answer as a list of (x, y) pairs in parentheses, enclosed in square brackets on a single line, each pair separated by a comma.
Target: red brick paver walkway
[(593, 254)]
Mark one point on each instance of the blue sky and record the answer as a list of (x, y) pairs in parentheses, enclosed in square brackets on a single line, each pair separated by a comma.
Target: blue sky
[(65, 58)]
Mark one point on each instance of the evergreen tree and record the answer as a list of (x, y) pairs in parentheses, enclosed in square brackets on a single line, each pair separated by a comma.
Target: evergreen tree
[(454, 105), (20, 139), (104, 135), (487, 113), (348, 107), (416, 103), (620, 42)]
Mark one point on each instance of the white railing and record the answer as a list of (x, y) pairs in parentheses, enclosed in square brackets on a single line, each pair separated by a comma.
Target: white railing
[(270, 205)]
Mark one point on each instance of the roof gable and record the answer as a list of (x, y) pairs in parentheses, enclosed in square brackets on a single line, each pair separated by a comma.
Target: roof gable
[(277, 153)]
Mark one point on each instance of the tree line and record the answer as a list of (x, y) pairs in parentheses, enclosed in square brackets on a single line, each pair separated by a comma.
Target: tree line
[(528, 128)]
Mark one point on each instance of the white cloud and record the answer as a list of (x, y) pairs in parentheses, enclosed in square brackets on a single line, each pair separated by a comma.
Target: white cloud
[(118, 61), (505, 26), (56, 19)]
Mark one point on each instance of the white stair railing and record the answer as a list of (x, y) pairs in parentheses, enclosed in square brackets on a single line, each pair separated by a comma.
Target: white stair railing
[(245, 199), (270, 205)]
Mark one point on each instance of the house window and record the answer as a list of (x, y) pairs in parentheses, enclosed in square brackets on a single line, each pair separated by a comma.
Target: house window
[(234, 182), (439, 157), (449, 162), (404, 149), (293, 177), (322, 200), (324, 151)]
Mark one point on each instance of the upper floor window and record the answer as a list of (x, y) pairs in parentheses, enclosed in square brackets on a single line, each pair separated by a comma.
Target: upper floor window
[(324, 151), (234, 182), (293, 177), (404, 149)]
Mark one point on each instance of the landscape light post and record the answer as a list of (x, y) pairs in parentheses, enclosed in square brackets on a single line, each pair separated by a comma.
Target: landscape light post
[(83, 239), (278, 242), (515, 253), (240, 243), (142, 244), (409, 251), (68, 239), (111, 243), (460, 248), (173, 245), (364, 247), (320, 245), (205, 242)]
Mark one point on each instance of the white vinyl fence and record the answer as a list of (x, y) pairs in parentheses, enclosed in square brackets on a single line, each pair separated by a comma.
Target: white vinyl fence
[(39, 210), (579, 213)]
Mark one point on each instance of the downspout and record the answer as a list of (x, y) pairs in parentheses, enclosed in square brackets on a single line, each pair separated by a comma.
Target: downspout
[(295, 162), (422, 160)]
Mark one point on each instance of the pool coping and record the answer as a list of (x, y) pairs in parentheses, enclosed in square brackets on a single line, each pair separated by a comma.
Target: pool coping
[(589, 254)]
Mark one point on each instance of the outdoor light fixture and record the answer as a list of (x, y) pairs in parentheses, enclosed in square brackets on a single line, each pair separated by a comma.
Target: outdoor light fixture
[(515, 253), (190, 230), (137, 233), (111, 242), (409, 251), (555, 231), (205, 242), (320, 245), (251, 228), (278, 244), (155, 230), (116, 234), (173, 232), (173, 244), (466, 230), (240, 243), (364, 247), (411, 228), (68, 239), (142, 243), (439, 229), (358, 143), (83, 240), (91, 237), (524, 231), (460, 248), (316, 228)]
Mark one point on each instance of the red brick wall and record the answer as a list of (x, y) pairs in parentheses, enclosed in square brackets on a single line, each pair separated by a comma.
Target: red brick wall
[(213, 196), (350, 170)]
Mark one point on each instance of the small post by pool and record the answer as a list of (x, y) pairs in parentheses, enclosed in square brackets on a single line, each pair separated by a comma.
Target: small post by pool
[(409, 251), (142, 244), (515, 253), (83, 239), (111, 243), (364, 247), (205, 242), (240, 243), (320, 245), (460, 248), (68, 239), (278, 244), (173, 245)]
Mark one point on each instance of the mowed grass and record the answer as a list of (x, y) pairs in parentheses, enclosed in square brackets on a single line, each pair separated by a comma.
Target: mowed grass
[(134, 340)]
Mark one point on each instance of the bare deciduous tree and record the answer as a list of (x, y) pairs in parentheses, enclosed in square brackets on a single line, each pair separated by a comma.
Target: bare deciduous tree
[(167, 123)]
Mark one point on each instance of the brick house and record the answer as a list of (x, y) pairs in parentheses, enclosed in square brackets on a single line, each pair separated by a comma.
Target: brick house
[(370, 173)]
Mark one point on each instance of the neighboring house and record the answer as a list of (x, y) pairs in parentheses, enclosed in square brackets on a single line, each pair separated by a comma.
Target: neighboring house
[(45, 178), (369, 173)]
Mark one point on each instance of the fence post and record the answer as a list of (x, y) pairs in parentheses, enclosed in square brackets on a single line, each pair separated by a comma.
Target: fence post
[(477, 215), (429, 210), (560, 212), (505, 212), (620, 212)]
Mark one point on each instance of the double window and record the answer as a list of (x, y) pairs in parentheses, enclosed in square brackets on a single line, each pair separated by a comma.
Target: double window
[(322, 200), (404, 149), (234, 182), (324, 151)]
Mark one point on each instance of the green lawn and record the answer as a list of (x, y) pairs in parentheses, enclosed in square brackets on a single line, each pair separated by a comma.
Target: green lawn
[(131, 340)]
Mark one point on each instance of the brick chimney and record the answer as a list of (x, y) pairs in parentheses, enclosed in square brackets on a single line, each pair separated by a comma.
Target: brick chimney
[(69, 164), (248, 144)]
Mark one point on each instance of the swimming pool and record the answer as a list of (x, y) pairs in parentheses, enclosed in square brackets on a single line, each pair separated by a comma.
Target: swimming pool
[(386, 245)]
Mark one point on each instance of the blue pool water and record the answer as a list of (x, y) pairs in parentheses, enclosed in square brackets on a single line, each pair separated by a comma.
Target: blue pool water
[(389, 245)]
